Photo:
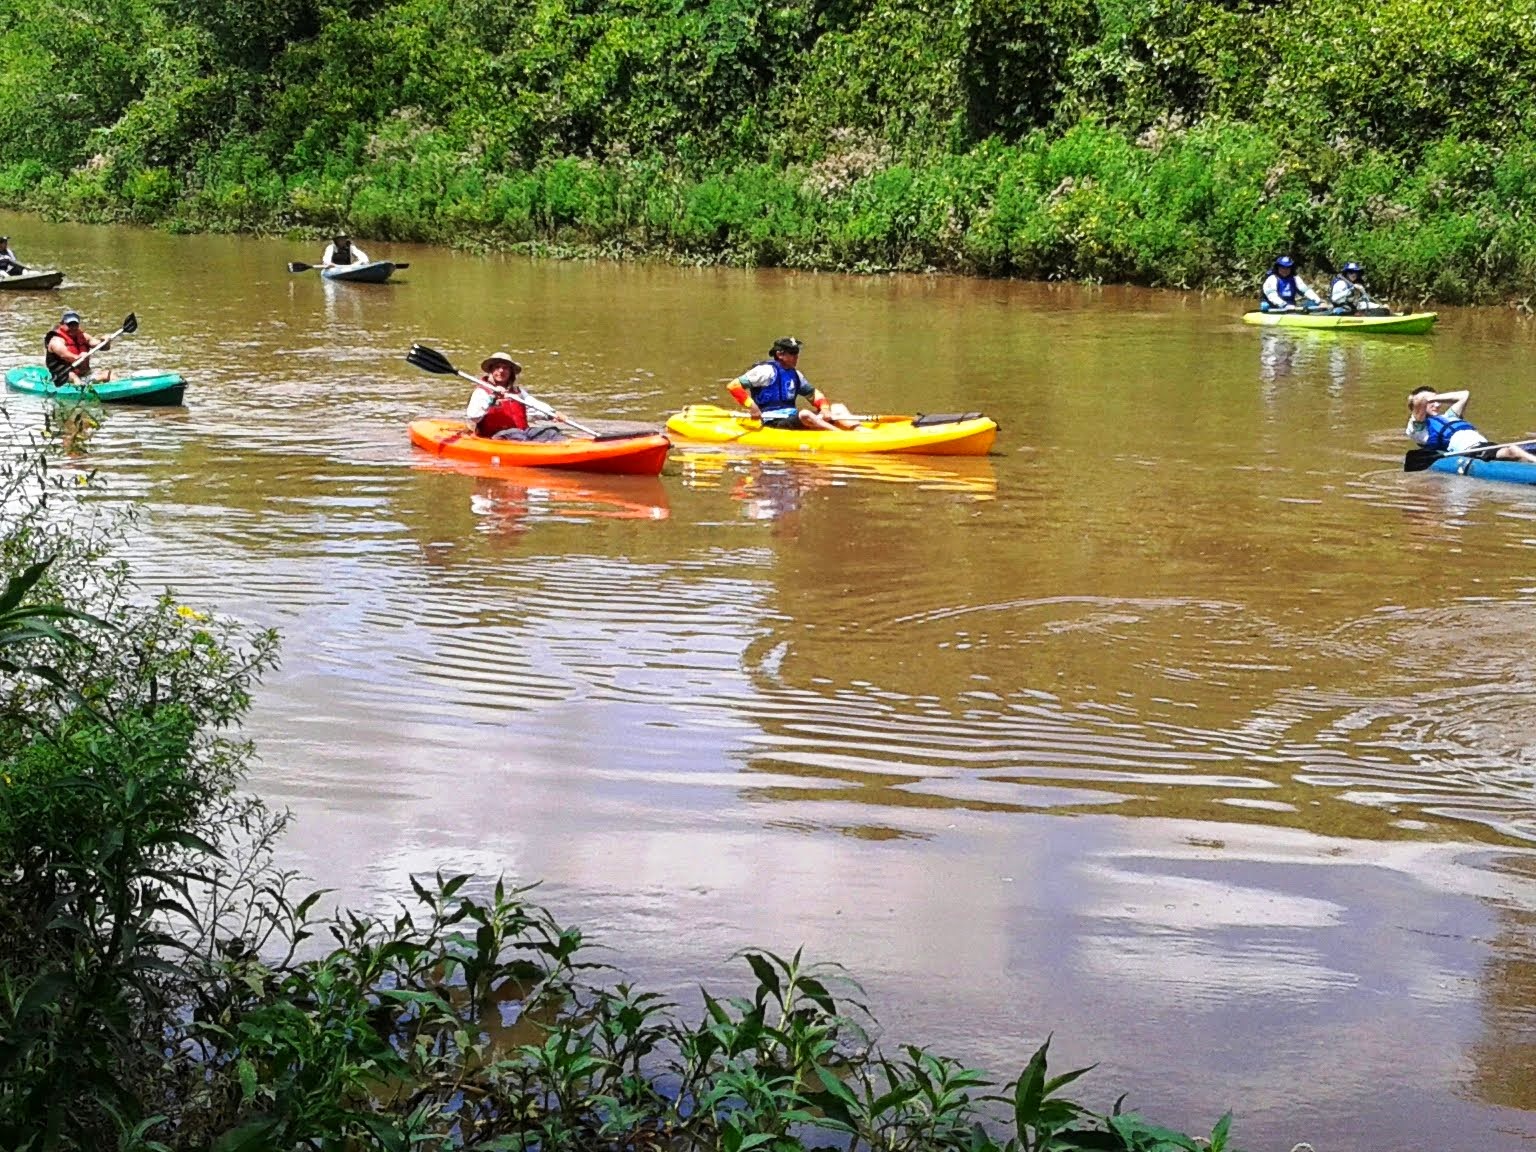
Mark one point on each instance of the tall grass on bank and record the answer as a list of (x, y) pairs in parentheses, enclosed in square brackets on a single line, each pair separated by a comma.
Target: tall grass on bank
[(153, 998), (1209, 205)]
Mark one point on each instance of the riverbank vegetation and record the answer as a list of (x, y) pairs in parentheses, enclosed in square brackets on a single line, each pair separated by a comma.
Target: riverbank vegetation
[(164, 986), (1150, 141)]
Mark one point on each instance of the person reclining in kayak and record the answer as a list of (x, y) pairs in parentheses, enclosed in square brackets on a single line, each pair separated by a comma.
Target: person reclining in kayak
[(1349, 295), (494, 409), (9, 265), (1282, 286), (339, 253), (771, 388), (66, 344), (1446, 431)]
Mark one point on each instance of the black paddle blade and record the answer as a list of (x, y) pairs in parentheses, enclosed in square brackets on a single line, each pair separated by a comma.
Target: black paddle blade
[(430, 360), (299, 266), (1419, 459), (130, 323), (407, 264)]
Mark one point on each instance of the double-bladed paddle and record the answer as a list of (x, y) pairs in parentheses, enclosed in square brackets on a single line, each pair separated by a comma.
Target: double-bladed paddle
[(1419, 459), (431, 360), (300, 266), (130, 326)]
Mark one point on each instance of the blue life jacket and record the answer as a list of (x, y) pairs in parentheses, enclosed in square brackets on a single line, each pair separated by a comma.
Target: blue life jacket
[(1441, 430), (1285, 288), (781, 392)]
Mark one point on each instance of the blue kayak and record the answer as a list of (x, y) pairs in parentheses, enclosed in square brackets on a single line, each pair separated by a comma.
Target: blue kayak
[(1507, 471), (374, 272)]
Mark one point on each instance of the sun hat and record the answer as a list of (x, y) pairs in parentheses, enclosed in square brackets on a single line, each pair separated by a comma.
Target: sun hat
[(499, 358)]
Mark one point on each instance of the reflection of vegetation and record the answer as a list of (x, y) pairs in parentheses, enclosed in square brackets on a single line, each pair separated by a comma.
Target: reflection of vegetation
[(152, 999), (1137, 140)]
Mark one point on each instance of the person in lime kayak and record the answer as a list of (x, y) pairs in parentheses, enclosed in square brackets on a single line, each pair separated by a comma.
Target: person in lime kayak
[(1435, 421), (771, 388), (1282, 286), (67, 343), (340, 253), (9, 265), (1349, 295), (494, 409)]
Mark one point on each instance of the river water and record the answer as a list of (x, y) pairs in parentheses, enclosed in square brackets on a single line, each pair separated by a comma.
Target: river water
[(1186, 726)]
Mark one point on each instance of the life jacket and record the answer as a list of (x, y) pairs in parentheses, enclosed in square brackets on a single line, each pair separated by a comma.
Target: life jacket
[(1285, 288), (77, 344), (1441, 430), (505, 413), (781, 392)]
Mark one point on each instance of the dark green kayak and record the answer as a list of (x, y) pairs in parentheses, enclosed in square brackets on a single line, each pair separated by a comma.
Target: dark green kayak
[(135, 388)]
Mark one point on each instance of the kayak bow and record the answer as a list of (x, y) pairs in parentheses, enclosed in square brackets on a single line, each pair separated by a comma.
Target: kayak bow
[(374, 272)]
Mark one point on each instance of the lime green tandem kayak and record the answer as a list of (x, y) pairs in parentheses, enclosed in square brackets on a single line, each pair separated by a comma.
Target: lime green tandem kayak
[(1404, 324), (164, 388)]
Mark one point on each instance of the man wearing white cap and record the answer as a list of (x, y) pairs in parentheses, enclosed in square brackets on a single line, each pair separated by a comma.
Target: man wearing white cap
[(494, 409), (66, 344)]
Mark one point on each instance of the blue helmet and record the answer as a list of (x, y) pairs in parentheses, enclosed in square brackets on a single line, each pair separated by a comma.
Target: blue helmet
[(1350, 267), (1285, 263)]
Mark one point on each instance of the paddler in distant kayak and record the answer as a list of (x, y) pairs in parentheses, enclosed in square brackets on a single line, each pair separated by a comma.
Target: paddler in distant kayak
[(771, 388), (67, 343), (340, 253), (1282, 287), (494, 410), (1433, 425), (9, 265), (1349, 295)]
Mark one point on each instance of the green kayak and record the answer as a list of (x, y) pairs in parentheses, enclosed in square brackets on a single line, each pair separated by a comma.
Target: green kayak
[(136, 388), (1404, 324)]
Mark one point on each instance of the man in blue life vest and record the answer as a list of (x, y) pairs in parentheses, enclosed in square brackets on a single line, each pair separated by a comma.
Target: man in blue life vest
[(771, 388), (1282, 287), (1433, 425), (1349, 295)]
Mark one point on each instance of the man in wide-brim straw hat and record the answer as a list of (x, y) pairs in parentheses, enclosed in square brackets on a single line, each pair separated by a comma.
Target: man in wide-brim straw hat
[(494, 409)]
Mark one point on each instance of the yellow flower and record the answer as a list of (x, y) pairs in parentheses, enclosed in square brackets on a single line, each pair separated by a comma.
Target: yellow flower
[(187, 613)]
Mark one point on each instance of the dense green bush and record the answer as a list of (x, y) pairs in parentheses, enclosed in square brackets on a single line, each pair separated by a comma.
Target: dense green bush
[(1156, 141)]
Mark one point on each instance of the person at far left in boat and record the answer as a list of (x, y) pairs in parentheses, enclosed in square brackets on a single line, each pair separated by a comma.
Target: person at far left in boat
[(67, 343), (341, 253), (494, 410), (1282, 287), (9, 265), (771, 389), (1435, 421)]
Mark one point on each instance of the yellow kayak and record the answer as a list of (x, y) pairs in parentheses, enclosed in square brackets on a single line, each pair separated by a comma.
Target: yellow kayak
[(968, 434)]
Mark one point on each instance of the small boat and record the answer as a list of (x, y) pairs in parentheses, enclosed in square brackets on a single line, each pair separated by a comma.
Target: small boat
[(149, 387), (624, 453), (374, 272), (1506, 471), (1403, 324), (25, 281), (961, 434)]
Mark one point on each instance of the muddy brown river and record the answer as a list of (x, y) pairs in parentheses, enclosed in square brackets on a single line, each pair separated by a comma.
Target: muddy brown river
[(1185, 727)]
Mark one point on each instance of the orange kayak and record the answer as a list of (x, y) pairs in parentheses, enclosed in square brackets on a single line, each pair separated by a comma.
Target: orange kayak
[(631, 455)]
